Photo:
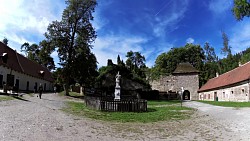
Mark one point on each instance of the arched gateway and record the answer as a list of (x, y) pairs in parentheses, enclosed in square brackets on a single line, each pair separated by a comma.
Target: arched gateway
[(186, 95)]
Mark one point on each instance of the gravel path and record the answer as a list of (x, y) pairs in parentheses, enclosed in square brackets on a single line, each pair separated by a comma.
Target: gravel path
[(42, 120)]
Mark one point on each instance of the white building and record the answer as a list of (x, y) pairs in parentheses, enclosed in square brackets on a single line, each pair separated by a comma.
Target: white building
[(230, 86), (22, 73)]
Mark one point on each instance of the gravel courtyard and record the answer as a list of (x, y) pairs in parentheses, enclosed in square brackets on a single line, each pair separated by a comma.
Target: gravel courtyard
[(31, 118)]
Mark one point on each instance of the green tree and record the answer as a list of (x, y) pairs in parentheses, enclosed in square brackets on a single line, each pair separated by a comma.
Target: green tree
[(226, 50), (241, 9), (245, 56), (210, 66), (119, 60), (166, 63), (39, 53), (31, 51), (72, 36), (135, 62), (5, 41)]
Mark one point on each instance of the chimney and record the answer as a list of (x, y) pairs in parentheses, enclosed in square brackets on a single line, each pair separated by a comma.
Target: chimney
[(217, 74), (240, 64)]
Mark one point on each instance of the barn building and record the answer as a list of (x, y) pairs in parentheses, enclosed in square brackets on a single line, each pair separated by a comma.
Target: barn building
[(185, 76), (230, 86), (16, 71)]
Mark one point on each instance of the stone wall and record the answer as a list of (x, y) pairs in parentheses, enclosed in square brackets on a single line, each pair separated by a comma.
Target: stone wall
[(238, 92), (173, 83), (188, 82), (93, 102)]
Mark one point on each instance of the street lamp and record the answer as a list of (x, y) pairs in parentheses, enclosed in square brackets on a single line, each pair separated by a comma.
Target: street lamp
[(181, 94)]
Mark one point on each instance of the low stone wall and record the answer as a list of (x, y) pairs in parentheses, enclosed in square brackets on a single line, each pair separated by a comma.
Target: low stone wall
[(106, 104), (93, 102)]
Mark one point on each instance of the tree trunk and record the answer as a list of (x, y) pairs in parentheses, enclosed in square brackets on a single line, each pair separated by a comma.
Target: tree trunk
[(66, 89)]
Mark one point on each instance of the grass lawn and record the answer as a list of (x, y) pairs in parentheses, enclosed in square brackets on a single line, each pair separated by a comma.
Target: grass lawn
[(154, 113), (162, 102), (5, 98), (227, 104)]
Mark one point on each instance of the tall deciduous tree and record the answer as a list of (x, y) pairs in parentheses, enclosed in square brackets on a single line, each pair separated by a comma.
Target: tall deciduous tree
[(241, 9), (72, 36), (210, 67), (31, 51), (39, 53), (135, 62), (226, 48)]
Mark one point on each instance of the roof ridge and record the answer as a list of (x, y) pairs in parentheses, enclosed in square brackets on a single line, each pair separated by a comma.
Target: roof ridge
[(232, 70)]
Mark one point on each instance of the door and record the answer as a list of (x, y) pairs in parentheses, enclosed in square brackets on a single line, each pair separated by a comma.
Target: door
[(215, 96), (17, 84), (1, 81), (27, 86)]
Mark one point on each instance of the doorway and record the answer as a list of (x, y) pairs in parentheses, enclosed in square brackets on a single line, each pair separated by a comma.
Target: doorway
[(186, 95)]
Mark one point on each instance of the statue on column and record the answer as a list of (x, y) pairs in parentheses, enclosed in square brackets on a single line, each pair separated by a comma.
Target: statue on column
[(117, 87)]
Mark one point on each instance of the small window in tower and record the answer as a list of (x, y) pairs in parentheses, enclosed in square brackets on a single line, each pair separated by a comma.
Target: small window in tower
[(242, 91)]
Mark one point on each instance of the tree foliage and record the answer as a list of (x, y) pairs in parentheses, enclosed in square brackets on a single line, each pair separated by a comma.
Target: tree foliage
[(241, 9), (72, 36), (226, 50), (5, 41), (136, 63), (167, 62), (39, 53)]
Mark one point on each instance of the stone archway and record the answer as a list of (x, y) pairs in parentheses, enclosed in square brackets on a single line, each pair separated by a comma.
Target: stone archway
[(186, 95)]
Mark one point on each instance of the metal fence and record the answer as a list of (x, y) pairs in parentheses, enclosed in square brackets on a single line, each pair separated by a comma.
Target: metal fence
[(136, 105)]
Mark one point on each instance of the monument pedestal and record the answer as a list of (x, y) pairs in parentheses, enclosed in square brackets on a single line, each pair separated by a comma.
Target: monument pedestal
[(117, 87), (117, 93)]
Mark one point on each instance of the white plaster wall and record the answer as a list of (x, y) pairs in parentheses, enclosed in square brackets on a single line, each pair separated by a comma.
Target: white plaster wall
[(225, 94), (23, 78)]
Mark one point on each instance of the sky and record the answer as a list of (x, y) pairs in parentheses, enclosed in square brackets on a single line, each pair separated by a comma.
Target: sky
[(150, 27)]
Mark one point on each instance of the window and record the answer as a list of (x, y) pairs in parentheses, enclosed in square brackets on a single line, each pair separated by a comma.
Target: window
[(242, 91), (208, 96), (232, 92), (223, 94)]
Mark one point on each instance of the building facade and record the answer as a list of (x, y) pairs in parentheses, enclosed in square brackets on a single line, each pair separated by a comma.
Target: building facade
[(184, 79), (230, 86), (23, 74)]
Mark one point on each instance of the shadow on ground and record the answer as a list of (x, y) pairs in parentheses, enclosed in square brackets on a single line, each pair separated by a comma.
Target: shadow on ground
[(19, 98), (79, 97)]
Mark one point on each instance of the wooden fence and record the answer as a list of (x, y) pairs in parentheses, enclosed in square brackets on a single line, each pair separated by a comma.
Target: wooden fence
[(135, 105)]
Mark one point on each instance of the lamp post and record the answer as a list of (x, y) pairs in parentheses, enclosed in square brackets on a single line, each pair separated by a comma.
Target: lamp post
[(181, 94)]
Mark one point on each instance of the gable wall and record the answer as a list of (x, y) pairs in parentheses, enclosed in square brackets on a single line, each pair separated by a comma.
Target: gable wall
[(174, 83)]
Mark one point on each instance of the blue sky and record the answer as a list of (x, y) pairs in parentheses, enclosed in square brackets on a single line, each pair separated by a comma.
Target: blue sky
[(147, 26)]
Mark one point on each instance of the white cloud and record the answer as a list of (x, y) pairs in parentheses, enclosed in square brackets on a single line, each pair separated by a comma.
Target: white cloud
[(27, 20), (240, 39), (110, 46), (190, 40), (220, 6), (169, 22)]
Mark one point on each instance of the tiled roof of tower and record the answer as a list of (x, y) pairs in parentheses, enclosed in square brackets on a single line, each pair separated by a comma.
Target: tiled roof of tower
[(185, 68), (21, 64), (234, 76)]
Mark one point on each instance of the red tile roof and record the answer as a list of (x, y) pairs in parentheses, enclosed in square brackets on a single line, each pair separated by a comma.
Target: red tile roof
[(21, 64), (234, 76)]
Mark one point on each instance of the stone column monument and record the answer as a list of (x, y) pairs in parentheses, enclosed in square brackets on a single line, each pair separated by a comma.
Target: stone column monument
[(117, 87)]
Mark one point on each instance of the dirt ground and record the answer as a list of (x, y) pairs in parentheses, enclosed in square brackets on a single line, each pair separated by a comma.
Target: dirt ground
[(42, 120)]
